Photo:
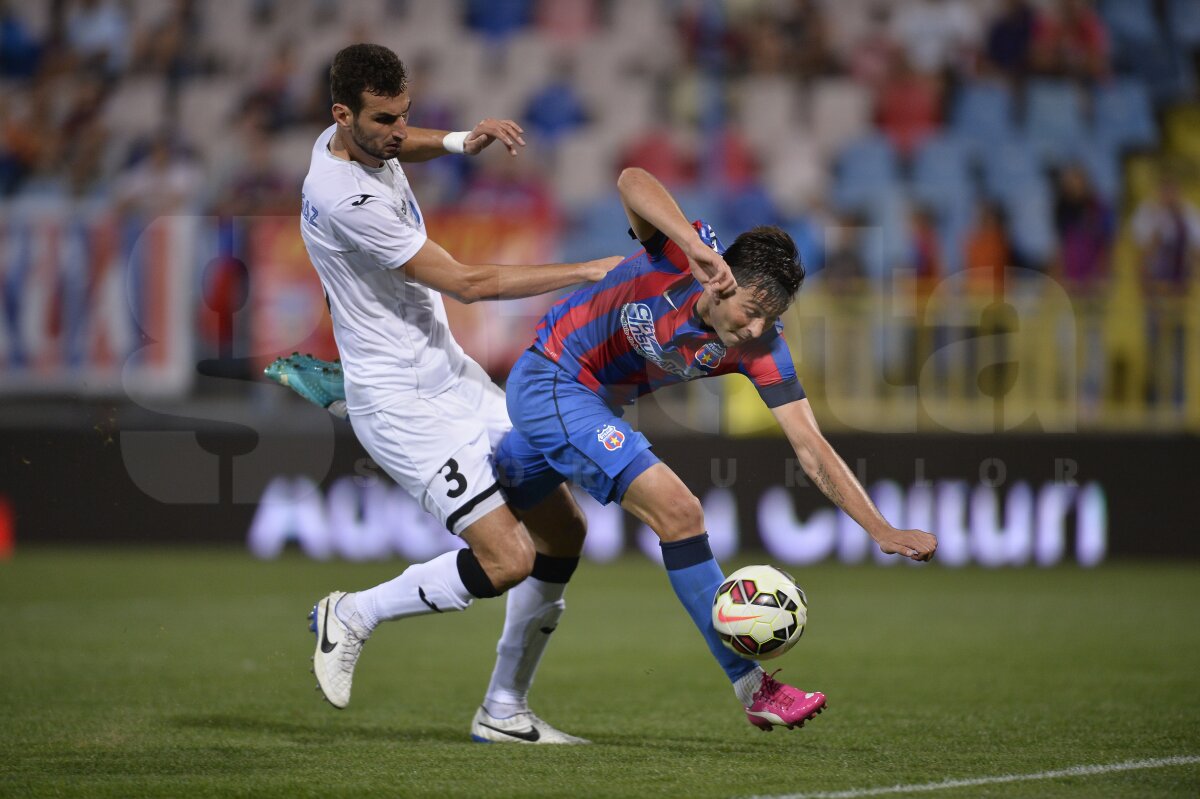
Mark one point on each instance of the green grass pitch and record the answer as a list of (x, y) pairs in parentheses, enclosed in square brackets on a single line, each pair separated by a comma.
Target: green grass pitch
[(185, 673)]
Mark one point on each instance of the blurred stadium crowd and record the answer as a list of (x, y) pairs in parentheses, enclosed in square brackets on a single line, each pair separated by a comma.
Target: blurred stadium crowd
[(916, 149)]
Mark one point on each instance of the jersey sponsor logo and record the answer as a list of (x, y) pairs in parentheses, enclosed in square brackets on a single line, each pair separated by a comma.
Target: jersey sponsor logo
[(308, 211), (637, 320), (612, 438), (362, 198)]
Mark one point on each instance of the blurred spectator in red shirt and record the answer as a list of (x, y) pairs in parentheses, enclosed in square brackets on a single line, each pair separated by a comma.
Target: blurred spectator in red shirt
[(1071, 42), (909, 105), (658, 151)]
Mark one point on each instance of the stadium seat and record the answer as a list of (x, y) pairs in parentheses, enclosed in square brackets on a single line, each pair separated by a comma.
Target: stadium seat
[(1053, 119), (839, 110), (585, 160), (1008, 167), (983, 114), (767, 107), (941, 170), (1030, 210), (1183, 20), (1123, 115), (136, 108), (1167, 71), (1102, 165), (888, 241), (597, 230), (794, 172), (205, 109), (941, 181), (1129, 20), (865, 167)]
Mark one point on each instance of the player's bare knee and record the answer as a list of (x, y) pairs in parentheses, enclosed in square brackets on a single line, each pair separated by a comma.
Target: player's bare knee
[(680, 516)]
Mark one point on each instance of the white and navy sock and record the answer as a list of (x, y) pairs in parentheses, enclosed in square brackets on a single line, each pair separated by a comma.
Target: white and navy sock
[(532, 614), (447, 583)]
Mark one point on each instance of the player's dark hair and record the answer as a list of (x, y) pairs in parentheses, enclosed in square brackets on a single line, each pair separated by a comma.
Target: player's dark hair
[(766, 259), (365, 68)]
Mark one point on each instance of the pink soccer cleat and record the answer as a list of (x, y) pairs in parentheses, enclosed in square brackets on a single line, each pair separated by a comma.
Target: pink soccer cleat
[(777, 703)]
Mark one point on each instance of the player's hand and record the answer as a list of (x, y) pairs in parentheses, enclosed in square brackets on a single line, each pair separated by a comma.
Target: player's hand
[(914, 544), (602, 266), (710, 269), (489, 130)]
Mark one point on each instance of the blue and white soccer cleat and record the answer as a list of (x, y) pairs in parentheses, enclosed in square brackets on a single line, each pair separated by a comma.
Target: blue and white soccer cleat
[(523, 728), (320, 382), (338, 648)]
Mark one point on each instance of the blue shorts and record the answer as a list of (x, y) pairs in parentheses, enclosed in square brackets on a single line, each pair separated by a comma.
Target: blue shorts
[(563, 431)]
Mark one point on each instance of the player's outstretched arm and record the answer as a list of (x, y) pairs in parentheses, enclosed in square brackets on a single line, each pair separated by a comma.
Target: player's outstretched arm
[(432, 266), (424, 144), (651, 208), (831, 474)]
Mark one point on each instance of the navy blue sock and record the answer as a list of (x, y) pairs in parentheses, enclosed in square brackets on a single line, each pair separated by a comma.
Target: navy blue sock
[(695, 576)]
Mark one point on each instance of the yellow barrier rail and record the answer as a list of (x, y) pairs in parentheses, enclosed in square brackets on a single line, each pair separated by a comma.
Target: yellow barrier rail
[(1028, 355)]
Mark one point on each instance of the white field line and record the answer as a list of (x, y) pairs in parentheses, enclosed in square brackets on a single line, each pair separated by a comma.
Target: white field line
[(1073, 771)]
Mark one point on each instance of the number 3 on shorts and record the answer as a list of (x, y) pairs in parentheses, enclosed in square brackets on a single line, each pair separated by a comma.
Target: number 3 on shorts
[(454, 477)]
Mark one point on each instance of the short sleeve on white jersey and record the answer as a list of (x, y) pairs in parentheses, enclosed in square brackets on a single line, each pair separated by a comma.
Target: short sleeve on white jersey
[(369, 225)]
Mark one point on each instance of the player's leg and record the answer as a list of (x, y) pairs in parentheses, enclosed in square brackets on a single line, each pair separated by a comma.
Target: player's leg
[(557, 527), (660, 499), (440, 456), (533, 608)]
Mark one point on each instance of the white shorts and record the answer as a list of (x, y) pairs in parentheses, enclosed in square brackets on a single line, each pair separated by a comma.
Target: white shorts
[(440, 449)]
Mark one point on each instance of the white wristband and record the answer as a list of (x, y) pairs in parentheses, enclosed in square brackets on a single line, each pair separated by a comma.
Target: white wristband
[(456, 142)]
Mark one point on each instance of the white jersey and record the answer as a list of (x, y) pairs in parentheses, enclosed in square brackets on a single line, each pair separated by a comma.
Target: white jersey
[(360, 225)]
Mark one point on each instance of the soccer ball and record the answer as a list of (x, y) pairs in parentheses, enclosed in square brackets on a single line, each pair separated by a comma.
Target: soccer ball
[(759, 612)]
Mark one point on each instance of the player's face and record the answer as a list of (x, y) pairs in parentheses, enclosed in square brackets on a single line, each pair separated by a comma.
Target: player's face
[(743, 317), (382, 125)]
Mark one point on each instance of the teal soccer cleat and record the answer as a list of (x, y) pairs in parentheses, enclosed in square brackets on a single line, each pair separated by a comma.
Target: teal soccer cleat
[(319, 382)]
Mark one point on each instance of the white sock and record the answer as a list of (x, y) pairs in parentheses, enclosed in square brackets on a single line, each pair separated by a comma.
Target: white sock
[(746, 685), (532, 612), (432, 587)]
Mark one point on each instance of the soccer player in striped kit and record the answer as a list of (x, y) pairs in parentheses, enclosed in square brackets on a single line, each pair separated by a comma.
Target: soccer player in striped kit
[(649, 323)]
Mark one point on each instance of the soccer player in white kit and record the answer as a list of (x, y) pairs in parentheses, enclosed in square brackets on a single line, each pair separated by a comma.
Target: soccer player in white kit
[(418, 404)]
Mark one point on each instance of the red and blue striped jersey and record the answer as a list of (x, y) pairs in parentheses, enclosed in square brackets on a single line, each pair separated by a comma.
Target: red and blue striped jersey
[(637, 330)]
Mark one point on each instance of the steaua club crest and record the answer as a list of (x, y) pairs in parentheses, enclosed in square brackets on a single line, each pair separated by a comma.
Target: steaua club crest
[(611, 438), (710, 355)]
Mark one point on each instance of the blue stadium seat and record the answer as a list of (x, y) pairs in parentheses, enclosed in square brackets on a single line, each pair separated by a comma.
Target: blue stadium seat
[(983, 114), (1103, 166), (1183, 20), (598, 230), (865, 167), (941, 170), (941, 181), (886, 240), (1053, 119), (1166, 70), (1123, 115), (1009, 167), (1130, 21), (1030, 211)]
